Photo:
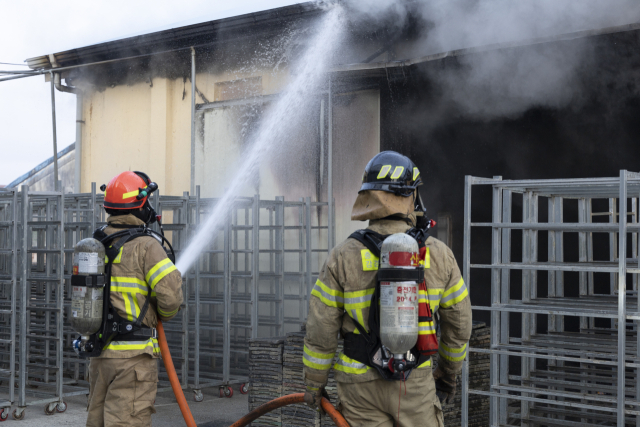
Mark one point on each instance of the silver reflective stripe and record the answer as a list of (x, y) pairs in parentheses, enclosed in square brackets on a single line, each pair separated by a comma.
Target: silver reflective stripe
[(427, 328), (144, 289), (355, 365), (453, 354), (131, 343), (132, 305), (354, 315), (328, 296), (454, 295), (357, 300), (158, 271), (317, 360)]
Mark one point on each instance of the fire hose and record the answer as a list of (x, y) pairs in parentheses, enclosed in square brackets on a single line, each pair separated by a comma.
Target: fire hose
[(256, 413)]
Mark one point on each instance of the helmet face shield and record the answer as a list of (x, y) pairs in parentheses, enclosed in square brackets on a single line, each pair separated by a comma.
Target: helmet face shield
[(391, 172)]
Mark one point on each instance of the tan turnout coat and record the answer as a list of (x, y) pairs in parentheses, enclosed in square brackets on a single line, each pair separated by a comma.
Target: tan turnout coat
[(142, 267), (343, 293)]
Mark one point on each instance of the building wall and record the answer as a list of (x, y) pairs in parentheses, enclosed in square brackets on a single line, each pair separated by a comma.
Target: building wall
[(148, 127)]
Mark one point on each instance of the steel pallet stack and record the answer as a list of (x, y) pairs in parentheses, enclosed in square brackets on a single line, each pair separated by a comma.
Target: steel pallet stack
[(564, 306)]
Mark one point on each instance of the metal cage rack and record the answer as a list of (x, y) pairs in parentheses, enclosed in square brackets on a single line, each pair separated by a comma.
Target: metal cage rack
[(559, 355), (253, 280)]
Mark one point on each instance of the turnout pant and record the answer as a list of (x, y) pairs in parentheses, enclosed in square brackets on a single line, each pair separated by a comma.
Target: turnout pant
[(122, 391), (381, 403)]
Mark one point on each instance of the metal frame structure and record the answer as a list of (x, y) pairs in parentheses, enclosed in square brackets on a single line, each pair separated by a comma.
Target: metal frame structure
[(254, 280), (577, 366)]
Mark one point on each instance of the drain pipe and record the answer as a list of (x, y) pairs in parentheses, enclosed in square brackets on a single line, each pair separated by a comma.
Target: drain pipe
[(79, 107)]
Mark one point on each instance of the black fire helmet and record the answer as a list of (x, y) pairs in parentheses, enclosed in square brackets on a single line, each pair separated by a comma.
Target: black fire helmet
[(391, 172)]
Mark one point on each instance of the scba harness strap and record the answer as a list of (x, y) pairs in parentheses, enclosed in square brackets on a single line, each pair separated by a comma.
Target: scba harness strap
[(366, 347), (115, 327)]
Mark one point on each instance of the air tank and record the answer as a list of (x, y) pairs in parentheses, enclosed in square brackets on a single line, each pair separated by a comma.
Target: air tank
[(399, 299), (87, 284)]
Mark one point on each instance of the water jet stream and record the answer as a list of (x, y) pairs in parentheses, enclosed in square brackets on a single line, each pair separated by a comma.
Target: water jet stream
[(279, 121)]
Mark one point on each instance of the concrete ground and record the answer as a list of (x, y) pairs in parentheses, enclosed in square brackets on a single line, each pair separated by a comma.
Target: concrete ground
[(211, 412)]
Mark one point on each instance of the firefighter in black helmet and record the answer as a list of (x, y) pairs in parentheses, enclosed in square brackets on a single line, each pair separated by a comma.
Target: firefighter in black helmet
[(390, 201)]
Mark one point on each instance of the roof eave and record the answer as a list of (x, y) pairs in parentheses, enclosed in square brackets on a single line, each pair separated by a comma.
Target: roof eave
[(175, 38)]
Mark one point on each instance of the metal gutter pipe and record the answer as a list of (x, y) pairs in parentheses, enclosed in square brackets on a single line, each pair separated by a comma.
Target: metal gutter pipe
[(193, 121), (56, 77), (331, 218), (55, 138), (77, 184), (56, 81)]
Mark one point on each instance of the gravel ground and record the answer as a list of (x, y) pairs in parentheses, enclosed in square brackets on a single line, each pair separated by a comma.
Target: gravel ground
[(211, 412)]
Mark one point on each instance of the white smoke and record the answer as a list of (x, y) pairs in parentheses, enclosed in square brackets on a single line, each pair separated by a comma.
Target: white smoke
[(504, 82)]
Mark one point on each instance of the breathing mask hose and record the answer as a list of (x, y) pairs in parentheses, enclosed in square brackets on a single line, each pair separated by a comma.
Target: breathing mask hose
[(290, 400), (173, 377)]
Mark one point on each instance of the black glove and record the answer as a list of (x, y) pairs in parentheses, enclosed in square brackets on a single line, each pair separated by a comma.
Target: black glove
[(313, 397), (445, 385)]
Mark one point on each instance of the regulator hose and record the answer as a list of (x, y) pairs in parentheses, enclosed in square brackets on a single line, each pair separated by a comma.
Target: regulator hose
[(173, 377), (256, 413)]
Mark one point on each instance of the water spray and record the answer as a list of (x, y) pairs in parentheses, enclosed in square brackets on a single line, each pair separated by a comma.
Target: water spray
[(279, 121)]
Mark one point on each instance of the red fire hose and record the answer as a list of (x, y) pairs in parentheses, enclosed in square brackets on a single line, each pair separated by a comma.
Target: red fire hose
[(173, 377), (289, 400), (256, 413)]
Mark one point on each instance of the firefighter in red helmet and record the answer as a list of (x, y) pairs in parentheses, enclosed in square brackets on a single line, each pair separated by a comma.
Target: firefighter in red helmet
[(145, 286)]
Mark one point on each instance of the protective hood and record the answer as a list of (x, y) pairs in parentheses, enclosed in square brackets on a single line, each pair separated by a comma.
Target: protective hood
[(375, 204)]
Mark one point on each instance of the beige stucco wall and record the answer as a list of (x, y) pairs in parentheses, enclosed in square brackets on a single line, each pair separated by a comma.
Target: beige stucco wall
[(148, 128)]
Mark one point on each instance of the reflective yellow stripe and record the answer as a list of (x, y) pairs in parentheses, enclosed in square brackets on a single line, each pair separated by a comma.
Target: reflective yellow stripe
[(397, 172), (118, 257), (416, 173), (370, 262), (131, 285), (167, 313), (452, 354), (427, 363), (454, 294), (315, 360), (431, 296), (130, 194), (328, 296), (133, 345), (426, 328), (349, 365), (384, 171), (358, 299), (426, 262), (158, 272)]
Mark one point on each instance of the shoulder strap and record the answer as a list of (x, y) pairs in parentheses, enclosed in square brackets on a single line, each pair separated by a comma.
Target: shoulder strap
[(370, 239), (112, 251)]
